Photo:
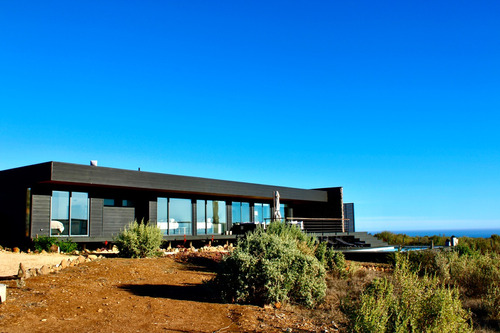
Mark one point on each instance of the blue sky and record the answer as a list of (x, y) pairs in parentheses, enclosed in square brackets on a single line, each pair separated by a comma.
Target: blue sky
[(397, 101)]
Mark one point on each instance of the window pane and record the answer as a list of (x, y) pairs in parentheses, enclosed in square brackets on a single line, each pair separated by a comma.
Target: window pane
[(236, 211), (180, 216), (109, 202), (216, 213), (245, 212), (59, 224), (79, 213), (200, 217), (266, 211), (257, 213), (162, 215)]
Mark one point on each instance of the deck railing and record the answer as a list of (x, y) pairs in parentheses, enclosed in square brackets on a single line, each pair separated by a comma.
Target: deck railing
[(320, 225)]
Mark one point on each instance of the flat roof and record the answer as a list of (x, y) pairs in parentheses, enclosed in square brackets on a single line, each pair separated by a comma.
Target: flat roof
[(87, 175)]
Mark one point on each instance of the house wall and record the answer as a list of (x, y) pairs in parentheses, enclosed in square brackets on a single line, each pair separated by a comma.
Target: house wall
[(40, 215)]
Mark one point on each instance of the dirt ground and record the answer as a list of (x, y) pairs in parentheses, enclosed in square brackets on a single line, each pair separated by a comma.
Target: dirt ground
[(9, 261), (136, 295)]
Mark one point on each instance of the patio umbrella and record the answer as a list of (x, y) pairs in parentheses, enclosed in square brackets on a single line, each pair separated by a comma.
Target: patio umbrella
[(276, 208)]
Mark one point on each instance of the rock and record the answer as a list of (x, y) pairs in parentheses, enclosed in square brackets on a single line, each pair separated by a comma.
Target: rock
[(16, 250), (54, 249), (81, 259), (21, 283), (21, 273), (92, 257), (44, 270), (44, 252), (64, 263)]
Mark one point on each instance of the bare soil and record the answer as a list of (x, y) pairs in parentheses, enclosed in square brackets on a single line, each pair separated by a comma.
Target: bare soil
[(137, 295), (9, 261)]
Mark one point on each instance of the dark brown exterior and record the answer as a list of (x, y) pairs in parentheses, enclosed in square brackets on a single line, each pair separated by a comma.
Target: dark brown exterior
[(21, 222)]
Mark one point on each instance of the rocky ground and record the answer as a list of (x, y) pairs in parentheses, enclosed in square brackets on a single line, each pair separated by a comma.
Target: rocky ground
[(135, 295)]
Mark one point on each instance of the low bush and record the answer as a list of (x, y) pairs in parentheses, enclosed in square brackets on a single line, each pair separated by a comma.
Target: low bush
[(270, 266), (408, 303), (139, 240), (67, 246), (43, 243)]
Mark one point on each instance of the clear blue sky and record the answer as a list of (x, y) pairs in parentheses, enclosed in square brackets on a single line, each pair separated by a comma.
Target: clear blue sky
[(396, 101)]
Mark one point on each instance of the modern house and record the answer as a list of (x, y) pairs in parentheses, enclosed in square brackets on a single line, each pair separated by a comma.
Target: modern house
[(88, 203)]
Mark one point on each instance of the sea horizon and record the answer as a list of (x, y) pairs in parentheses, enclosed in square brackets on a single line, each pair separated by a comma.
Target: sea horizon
[(473, 233)]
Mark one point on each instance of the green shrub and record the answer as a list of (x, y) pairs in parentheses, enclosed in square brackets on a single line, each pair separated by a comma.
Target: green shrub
[(139, 240), (410, 304), (335, 263), (273, 265), (375, 307), (67, 246), (492, 302), (44, 243)]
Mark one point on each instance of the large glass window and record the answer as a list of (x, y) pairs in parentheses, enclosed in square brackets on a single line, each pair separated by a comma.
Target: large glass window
[(241, 212), (262, 212), (79, 213), (69, 214), (181, 216), (210, 217), (162, 215)]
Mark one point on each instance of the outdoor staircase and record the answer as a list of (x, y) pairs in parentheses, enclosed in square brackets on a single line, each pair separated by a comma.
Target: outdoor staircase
[(351, 240), (370, 239)]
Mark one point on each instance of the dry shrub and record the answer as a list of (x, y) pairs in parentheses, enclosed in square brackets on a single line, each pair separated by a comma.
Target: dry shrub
[(407, 303)]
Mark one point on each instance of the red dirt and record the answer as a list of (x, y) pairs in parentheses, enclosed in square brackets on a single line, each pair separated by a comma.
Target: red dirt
[(135, 295)]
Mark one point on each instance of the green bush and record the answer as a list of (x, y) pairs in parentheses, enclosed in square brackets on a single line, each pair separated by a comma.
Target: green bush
[(67, 246), (408, 303), (492, 302), (139, 240), (273, 265), (44, 243), (335, 263)]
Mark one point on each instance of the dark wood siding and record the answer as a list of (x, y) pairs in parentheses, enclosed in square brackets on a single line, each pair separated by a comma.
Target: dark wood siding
[(96, 217), (40, 215), (153, 211), (83, 174), (115, 219)]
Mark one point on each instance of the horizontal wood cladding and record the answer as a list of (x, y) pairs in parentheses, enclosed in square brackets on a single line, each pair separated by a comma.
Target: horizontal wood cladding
[(115, 219), (40, 215), (96, 217), (101, 176)]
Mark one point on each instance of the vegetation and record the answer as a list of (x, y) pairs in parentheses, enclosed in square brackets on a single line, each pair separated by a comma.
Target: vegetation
[(44, 243), (409, 303), (139, 240), (483, 245), (275, 265)]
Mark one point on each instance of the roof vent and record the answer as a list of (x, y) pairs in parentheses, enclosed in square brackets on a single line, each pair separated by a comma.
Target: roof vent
[(93, 162)]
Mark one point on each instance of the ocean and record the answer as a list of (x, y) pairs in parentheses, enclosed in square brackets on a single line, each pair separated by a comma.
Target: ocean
[(475, 233)]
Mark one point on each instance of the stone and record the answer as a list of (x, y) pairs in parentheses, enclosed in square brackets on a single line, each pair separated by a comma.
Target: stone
[(81, 259), (92, 257), (64, 263), (44, 252), (16, 250), (44, 270), (54, 249), (21, 273)]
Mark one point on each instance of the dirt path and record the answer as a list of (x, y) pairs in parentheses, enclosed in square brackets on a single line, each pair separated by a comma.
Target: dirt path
[(133, 295), (9, 261)]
